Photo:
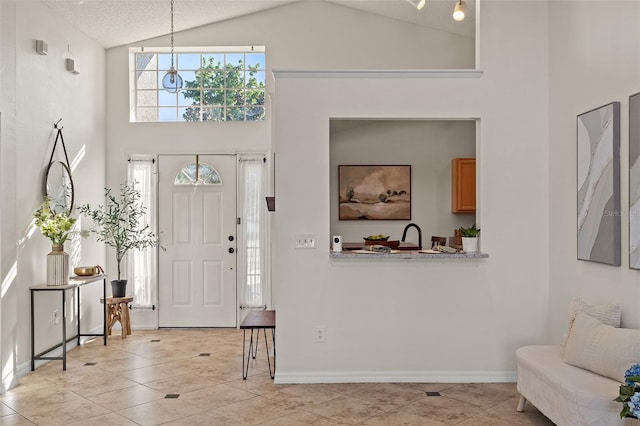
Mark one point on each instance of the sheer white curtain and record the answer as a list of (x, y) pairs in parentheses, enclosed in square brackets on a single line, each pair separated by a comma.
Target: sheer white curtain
[(252, 172), (141, 265)]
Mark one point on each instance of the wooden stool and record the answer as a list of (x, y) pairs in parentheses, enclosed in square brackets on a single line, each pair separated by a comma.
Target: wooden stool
[(118, 310)]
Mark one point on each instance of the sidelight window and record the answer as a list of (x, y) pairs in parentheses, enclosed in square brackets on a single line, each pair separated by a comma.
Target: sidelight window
[(141, 264)]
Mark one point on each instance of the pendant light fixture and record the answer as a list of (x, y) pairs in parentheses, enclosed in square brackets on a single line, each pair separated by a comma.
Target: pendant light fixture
[(459, 10), (172, 82), (418, 4)]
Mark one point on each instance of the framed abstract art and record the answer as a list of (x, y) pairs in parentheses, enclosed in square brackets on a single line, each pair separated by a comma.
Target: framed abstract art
[(634, 181), (598, 189)]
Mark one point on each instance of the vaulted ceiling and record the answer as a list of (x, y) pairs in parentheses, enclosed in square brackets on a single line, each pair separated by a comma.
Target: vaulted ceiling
[(117, 22)]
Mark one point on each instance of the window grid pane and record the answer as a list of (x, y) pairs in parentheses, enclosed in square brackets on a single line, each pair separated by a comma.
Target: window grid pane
[(217, 87), (206, 174)]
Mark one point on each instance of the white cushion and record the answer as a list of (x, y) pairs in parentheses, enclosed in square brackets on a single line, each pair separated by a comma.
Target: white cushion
[(606, 314), (601, 348)]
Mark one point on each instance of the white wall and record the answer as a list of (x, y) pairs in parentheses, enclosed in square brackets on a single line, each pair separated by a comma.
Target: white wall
[(305, 35), (594, 59), (428, 146), (420, 320), (44, 92), (8, 168), (564, 59)]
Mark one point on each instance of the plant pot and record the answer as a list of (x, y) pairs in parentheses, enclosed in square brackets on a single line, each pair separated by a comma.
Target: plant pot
[(119, 288), (470, 244), (57, 266)]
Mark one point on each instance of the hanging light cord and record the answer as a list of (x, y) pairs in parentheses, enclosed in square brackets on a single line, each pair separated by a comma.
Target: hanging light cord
[(172, 34), (172, 82)]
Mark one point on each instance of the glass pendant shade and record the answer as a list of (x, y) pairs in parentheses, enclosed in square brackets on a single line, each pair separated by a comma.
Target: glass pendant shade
[(172, 82), (418, 4), (459, 10)]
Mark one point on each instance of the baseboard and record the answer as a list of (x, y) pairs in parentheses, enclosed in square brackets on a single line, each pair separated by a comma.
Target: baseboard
[(23, 369), (13, 378), (397, 377), (95, 330)]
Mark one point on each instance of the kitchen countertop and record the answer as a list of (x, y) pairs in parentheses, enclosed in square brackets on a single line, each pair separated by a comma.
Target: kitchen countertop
[(357, 246), (405, 254)]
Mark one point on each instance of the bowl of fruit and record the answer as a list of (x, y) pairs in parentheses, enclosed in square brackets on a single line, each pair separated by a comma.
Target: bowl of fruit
[(381, 240), (378, 237)]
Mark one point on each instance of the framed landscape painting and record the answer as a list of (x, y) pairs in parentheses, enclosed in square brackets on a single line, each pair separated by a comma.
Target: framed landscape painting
[(375, 192), (599, 214)]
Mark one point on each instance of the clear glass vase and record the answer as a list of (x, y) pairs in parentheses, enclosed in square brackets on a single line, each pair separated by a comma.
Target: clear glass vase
[(57, 266)]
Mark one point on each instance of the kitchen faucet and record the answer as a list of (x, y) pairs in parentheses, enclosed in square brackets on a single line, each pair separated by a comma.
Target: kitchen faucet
[(413, 225)]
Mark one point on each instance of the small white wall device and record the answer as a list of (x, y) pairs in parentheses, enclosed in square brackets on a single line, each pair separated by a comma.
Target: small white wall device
[(72, 66), (41, 47), (337, 243)]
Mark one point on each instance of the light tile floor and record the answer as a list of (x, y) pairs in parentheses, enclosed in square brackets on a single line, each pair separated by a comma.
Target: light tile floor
[(130, 381)]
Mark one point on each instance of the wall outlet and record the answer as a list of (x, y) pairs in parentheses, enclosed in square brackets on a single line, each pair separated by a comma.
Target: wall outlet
[(305, 241), (321, 334), (56, 317)]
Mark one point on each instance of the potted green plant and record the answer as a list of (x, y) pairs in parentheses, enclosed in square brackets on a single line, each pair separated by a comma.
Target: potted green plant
[(470, 238), (119, 225)]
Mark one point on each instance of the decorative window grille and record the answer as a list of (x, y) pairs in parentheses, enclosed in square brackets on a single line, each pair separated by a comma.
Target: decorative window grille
[(200, 173), (227, 84)]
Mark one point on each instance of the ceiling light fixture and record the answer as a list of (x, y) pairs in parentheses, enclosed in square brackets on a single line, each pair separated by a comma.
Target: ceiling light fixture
[(418, 4), (172, 82), (459, 10)]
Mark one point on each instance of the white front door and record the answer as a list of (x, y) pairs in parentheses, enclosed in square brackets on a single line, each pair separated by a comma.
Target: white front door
[(197, 224)]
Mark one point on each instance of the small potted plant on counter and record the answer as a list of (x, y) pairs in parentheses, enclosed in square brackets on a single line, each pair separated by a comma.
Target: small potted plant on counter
[(470, 238), (119, 224)]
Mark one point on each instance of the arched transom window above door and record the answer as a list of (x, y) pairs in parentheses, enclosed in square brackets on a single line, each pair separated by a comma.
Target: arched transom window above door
[(198, 174)]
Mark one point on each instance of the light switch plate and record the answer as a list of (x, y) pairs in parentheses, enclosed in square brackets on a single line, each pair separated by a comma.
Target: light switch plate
[(304, 241)]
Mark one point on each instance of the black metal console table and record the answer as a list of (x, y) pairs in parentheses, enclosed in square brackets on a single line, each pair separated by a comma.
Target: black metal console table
[(75, 283)]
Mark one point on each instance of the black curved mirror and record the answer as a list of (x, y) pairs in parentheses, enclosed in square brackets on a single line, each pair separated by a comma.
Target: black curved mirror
[(58, 186)]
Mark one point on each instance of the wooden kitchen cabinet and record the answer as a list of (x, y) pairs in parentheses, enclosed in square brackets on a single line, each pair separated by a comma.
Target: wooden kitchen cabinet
[(463, 185)]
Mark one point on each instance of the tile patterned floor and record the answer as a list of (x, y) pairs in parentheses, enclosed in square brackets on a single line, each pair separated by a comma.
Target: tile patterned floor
[(135, 381)]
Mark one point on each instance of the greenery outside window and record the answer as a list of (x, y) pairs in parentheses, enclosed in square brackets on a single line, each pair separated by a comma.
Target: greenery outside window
[(226, 84)]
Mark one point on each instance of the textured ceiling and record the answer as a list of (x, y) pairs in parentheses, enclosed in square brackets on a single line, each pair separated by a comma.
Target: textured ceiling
[(117, 22), (436, 14)]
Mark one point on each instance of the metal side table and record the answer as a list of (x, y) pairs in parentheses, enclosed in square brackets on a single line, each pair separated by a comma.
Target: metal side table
[(256, 320), (75, 284)]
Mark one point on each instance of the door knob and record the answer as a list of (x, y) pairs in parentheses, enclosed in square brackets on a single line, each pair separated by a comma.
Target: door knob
[(230, 237), (231, 250)]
